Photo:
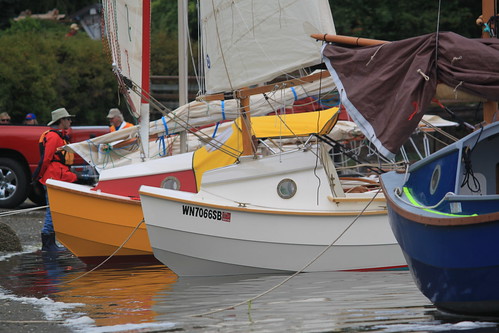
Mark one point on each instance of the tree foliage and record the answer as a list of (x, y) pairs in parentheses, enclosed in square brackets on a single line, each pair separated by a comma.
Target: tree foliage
[(164, 17), (395, 20), (42, 70)]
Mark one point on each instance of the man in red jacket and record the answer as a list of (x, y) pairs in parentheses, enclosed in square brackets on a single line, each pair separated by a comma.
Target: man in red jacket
[(54, 164)]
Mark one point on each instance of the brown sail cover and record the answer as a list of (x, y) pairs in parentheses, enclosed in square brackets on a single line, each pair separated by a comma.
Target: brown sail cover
[(387, 88)]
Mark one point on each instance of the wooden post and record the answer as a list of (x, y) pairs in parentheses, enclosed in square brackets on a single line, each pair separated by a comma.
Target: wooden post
[(348, 40), (246, 126), (489, 107)]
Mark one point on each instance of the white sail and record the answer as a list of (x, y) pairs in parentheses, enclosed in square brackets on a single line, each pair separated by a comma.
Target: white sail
[(247, 42), (124, 34)]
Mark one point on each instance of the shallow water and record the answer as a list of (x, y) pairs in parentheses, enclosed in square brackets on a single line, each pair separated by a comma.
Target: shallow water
[(153, 299)]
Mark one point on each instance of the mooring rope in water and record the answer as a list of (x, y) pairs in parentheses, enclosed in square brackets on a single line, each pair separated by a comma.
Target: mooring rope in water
[(32, 321), (103, 262), (250, 300), (20, 211)]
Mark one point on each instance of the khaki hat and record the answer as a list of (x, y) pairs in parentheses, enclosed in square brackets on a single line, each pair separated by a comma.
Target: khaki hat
[(74, 26), (59, 114), (114, 113)]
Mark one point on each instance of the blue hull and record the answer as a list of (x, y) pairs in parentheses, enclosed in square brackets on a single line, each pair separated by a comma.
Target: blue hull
[(444, 214), (456, 268)]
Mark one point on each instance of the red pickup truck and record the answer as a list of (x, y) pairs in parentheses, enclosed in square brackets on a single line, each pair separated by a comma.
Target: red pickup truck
[(19, 156)]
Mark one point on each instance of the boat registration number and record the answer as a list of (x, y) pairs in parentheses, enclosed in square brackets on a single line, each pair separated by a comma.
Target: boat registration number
[(206, 213)]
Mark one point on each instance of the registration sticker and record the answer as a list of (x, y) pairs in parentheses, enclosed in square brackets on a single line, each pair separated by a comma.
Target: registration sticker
[(206, 213)]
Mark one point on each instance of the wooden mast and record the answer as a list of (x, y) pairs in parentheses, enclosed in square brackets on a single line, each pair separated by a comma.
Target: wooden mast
[(248, 148), (182, 64), (348, 40), (244, 94), (489, 107)]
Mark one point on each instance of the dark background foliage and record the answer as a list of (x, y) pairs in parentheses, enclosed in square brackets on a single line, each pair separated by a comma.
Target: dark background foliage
[(41, 69)]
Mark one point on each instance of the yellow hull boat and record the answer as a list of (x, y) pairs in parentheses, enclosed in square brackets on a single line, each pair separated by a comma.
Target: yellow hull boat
[(94, 225)]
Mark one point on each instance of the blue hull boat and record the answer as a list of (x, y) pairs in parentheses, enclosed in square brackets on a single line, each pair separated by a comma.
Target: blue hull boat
[(444, 213)]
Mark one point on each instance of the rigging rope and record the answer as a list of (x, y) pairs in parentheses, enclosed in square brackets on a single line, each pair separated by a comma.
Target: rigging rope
[(437, 37), (249, 300), (19, 211), (102, 263), (468, 167)]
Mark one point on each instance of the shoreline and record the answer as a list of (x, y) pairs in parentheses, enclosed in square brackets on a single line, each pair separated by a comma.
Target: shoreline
[(20, 314)]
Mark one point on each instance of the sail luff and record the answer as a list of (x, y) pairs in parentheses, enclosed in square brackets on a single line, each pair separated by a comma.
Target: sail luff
[(124, 32)]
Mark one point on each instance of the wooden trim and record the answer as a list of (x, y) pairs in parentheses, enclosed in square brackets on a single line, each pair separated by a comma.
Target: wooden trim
[(438, 221), (355, 199), (241, 93), (248, 148), (95, 195), (348, 40), (281, 85), (360, 179), (262, 211)]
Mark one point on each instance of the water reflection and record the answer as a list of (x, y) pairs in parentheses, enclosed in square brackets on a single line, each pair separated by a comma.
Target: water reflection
[(312, 302), (111, 295), (117, 296)]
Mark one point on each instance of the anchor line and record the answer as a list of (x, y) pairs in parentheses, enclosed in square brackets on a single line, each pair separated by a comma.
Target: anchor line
[(249, 300)]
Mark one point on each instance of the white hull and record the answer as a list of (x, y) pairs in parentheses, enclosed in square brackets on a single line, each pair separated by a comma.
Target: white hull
[(203, 234)]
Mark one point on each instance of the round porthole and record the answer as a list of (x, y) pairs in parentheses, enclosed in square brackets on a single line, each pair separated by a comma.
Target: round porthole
[(286, 188), (435, 179), (171, 183)]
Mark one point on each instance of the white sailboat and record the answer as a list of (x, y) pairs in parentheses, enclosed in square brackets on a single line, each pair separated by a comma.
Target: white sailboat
[(271, 211), (93, 221)]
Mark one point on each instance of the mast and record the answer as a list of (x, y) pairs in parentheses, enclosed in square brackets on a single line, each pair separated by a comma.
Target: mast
[(146, 61), (248, 148), (488, 10), (182, 64), (244, 94)]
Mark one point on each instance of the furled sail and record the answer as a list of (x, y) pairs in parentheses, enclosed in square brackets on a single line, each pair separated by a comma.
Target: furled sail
[(250, 42), (100, 152), (387, 88)]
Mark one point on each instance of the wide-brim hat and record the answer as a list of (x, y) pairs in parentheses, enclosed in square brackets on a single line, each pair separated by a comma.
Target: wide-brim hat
[(114, 113), (74, 26), (59, 114)]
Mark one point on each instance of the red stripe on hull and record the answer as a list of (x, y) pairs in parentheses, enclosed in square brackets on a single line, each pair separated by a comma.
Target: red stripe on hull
[(129, 187)]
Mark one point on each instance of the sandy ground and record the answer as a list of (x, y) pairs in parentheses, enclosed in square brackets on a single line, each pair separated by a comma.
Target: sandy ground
[(16, 316)]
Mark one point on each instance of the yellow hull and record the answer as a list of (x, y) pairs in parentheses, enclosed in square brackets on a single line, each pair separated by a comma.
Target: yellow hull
[(94, 225)]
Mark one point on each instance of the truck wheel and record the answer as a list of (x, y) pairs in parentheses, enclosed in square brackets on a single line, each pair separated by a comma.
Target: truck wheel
[(37, 194), (13, 183)]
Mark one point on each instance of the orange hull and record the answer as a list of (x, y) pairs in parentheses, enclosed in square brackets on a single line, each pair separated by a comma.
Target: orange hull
[(91, 224)]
